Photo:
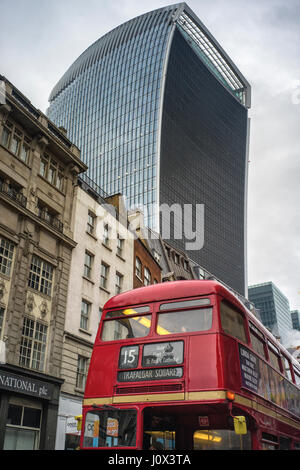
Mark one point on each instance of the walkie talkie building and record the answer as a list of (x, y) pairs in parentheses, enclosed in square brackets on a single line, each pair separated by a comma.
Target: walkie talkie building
[(159, 112)]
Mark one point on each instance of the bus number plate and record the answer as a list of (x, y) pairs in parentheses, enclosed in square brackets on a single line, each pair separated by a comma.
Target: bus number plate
[(129, 357)]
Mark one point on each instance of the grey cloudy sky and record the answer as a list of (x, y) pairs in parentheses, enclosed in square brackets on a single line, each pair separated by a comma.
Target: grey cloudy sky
[(39, 40)]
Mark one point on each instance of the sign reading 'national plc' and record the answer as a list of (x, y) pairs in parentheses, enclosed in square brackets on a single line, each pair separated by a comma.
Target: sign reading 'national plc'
[(25, 385)]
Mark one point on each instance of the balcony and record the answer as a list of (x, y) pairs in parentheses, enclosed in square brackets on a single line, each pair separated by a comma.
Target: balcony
[(13, 192), (50, 219)]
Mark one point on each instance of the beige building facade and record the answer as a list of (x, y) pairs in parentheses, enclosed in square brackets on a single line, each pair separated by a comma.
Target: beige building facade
[(39, 167), (101, 267)]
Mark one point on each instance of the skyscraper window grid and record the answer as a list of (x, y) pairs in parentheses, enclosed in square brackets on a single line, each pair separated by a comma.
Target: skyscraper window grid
[(116, 124)]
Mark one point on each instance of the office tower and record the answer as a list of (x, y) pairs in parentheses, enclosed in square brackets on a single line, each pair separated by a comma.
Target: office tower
[(295, 315), (273, 307), (159, 112)]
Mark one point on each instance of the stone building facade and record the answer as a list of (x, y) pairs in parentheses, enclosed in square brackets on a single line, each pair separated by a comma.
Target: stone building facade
[(101, 267), (39, 167)]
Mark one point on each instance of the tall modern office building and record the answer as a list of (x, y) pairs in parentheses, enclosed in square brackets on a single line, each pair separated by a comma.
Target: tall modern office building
[(160, 113), (273, 307), (295, 315)]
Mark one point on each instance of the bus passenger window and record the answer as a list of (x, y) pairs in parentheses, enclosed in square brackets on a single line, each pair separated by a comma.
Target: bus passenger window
[(221, 439), (185, 321), (273, 355), (257, 344), (132, 327), (113, 428), (284, 443), (287, 370), (297, 375), (159, 432), (232, 322), (269, 441)]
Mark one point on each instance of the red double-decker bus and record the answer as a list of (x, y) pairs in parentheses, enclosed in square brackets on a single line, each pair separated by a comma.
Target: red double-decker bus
[(184, 365)]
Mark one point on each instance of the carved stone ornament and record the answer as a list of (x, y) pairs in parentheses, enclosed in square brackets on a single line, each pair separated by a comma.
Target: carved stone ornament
[(44, 309), (30, 303), (2, 289)]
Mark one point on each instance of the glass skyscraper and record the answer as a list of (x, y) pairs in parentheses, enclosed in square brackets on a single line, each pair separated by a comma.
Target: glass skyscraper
[(273, 307), (159, 112)]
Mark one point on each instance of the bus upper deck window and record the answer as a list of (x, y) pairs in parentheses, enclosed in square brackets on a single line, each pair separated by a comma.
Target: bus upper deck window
[(184, 321), (122, 324), (233, 322), (184, 304)]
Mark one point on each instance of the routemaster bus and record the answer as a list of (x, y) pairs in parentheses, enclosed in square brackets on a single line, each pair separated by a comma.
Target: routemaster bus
[(184, 365)]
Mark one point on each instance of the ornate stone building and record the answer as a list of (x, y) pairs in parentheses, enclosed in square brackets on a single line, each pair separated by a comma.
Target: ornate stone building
[(39, 167)]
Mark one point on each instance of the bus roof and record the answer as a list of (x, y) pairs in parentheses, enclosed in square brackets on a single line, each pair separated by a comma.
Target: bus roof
[(167, 291)]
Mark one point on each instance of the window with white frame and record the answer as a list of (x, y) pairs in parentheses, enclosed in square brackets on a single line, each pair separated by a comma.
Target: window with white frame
[(40, 276), (104, 275), (106, 235), (84, 317), (6, 256), (138, 267), (147, 277), (23, 424), (120, 245), (186, 265), (91, 222), (82, 367), (119, 282), (33, 344), (88, 261)]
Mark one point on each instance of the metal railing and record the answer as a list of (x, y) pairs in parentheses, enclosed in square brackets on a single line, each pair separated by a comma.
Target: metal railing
[(13, 193)]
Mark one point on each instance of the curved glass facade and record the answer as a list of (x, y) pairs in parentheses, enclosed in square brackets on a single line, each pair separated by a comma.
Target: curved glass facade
[(118, 104), (111, 108)]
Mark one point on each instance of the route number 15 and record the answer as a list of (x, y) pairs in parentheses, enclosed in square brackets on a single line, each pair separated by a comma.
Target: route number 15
[(129, 357)]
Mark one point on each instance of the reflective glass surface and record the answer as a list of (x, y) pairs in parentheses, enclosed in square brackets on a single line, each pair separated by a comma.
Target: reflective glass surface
[(111, 109)]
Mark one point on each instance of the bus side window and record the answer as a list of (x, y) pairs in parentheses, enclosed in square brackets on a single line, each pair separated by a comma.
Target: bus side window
[(297, 375), (287, 370), (269, 441), (257, 340), (233, 322), (274, 356), (284, 443)]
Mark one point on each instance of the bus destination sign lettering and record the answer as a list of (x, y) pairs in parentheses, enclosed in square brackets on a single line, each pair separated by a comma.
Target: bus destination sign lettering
[(163, 354), (150, 374)]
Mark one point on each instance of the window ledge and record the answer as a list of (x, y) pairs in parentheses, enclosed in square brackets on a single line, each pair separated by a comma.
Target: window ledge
[(85, 332), (107, 247), (105, 290), (91, 235), (88, 279)]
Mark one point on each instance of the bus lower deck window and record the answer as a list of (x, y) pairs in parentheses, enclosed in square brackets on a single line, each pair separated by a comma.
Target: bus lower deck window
[(112, 428)]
